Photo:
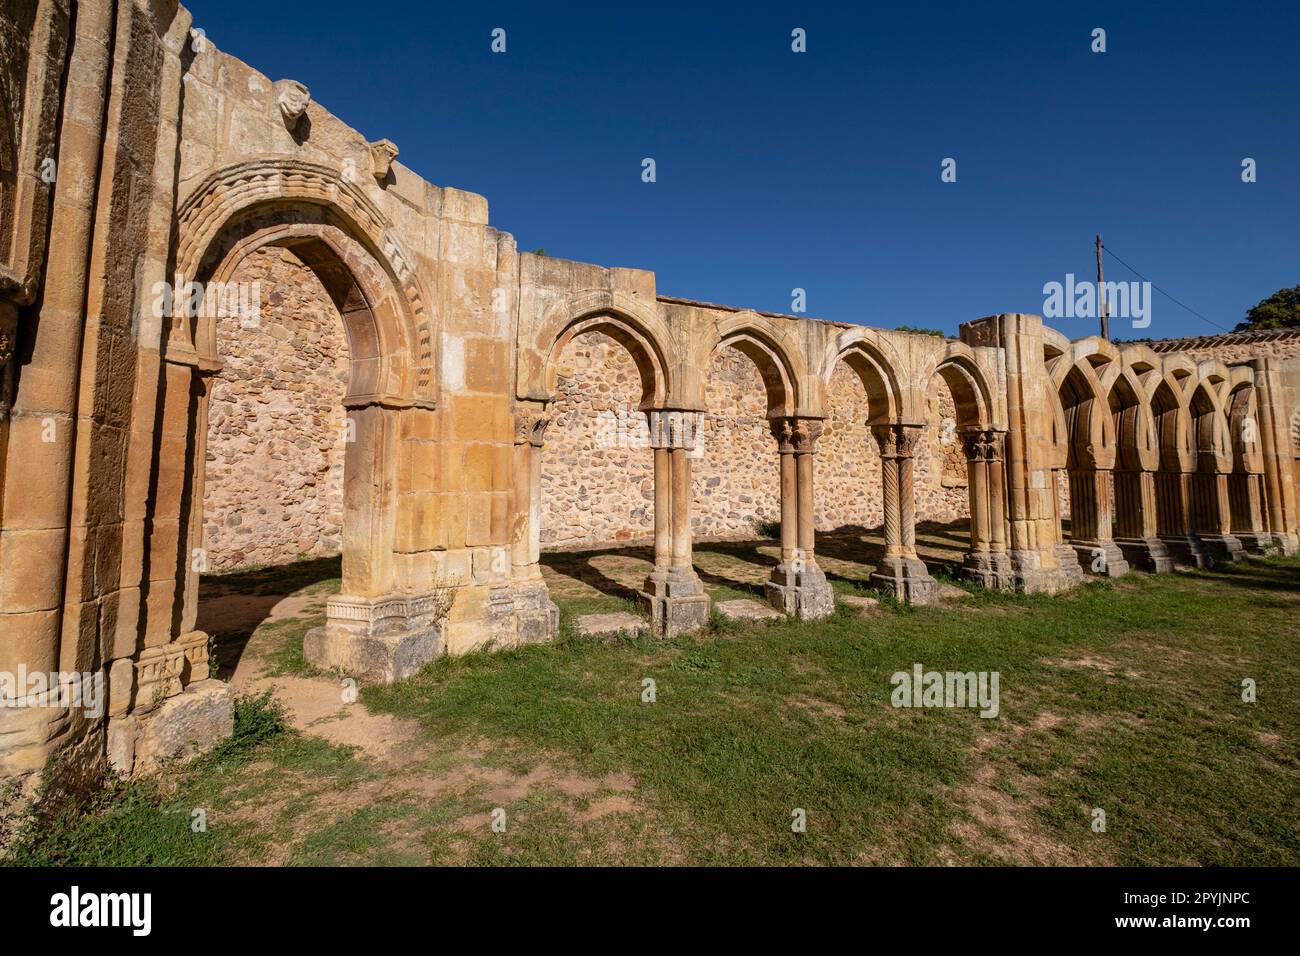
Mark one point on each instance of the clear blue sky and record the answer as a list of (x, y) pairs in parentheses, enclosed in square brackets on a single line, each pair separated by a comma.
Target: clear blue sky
[(821, 170)]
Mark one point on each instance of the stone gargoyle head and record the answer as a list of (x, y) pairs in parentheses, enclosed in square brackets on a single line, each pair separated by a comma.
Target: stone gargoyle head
[(293, 99)]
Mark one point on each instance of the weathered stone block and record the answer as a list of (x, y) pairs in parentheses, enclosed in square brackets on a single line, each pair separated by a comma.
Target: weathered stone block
[(747, 611), (611, 625), (186, 725)]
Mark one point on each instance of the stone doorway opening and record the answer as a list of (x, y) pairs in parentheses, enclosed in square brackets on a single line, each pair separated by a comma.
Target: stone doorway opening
[(277, 434)]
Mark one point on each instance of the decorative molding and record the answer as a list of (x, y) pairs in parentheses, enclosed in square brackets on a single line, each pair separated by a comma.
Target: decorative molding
[(231, 190)]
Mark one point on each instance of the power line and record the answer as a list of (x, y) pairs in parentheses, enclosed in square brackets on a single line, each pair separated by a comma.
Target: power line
[(1176, 302)]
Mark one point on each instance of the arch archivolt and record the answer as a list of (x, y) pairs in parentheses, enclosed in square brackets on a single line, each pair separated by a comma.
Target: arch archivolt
[(242, 207), (881, 370), (975, 402), (1242, 409), (1089, 426), (1137, 446), (637, 327), (1211, 438), (378, 336), (777, 354)]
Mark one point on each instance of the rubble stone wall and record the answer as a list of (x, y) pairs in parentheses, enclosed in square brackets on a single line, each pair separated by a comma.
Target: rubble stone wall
[(597, 471), (274, 480)]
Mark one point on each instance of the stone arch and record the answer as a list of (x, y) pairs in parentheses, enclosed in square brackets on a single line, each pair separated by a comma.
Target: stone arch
[(984, 448), (1085, 475), (1209, 429), (333, 229), (1137, 446), (970, 389), (378, 338), (1170, 416), (1090, 430), (1241, 406), (638, 329), (244, 204), (1209, 499), (877, 365), (778, 360)]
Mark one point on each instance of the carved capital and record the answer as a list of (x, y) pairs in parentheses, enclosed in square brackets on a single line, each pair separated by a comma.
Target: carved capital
[(796, 435), (671, 428), (530, 428), (984, 445), (896, 441)]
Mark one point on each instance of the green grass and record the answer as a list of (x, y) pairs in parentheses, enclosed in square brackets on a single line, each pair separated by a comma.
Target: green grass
[(748, 726), (1124, 695)]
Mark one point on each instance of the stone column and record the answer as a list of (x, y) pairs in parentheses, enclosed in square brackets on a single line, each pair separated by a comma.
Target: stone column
[(1211, 515), (1034, 524), (673, 593), (1136, 529), (1067, 557), (1246, 500), (797, 585), (987, 561), (1173, 518), (901, 571), (1092, 508), (372, 630), (1281, 508), (537, 616)]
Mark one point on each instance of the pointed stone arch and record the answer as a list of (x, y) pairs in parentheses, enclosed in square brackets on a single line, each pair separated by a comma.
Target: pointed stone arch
[(637, 327), (879, 367)]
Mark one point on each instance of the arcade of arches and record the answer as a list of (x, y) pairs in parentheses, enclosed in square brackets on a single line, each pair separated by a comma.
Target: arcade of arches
[(233, 331)]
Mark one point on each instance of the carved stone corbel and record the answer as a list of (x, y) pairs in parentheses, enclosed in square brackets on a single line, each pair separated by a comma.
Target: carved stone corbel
[(292, 98), (382, 154)]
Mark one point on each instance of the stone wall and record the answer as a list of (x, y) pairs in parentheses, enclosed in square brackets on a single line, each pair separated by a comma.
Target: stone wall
[(1235, 346), (274, 479), (597, 473)]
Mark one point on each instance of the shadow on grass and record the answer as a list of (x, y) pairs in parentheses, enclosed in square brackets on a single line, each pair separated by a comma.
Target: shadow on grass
[(232, 606)]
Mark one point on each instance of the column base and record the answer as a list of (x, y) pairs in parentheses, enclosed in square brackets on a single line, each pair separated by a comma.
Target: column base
[(675, 601), (1147, 554), (183, 726), (803, 594), (1103, 558), (1070, 566), (908, 579), (378, 639), (1187, 550), (1032, 578), (537, 616), (1223, 548), (1258, 542), (989, 569), (1287, 542)]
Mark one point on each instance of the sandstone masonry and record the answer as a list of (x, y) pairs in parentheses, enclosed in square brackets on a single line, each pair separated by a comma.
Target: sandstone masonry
[(146, 440)]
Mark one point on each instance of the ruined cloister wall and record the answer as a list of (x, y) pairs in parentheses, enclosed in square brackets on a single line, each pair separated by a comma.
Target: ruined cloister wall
[(121, 462), (597, 481)]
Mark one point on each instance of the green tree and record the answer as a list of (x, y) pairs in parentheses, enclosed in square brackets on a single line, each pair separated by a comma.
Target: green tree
[(1281, 310)]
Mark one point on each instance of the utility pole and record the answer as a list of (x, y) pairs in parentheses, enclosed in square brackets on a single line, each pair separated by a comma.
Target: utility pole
[(1101, 295)]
